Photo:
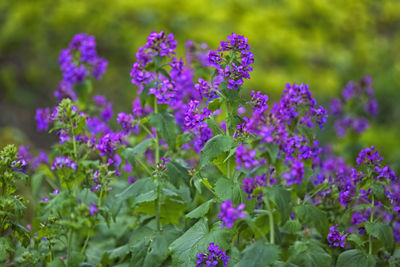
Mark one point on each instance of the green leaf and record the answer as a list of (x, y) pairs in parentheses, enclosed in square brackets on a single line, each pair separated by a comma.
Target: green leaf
[(214, 148), (196, 240), (272, 150), (137, 188), (379, 191), (215, 104), (152, 247), (381, 231), (312, 216), (292, 226), (176, 173), (201, 210), (166, 127), (282, 198), (259, 254), (215, 128), (146, 197), (227, 189), (138, 150), (356, 239), (355, 258), (309, 255), (6, 248)]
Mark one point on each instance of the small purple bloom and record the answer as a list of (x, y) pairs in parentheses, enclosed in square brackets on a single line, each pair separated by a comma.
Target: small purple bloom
[(229, 214)]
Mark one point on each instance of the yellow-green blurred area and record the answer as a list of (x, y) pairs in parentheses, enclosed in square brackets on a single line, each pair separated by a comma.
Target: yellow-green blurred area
[(324, 43)]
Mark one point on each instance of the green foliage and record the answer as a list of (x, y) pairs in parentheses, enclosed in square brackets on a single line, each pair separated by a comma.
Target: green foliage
[(259, 254), (356, 258)]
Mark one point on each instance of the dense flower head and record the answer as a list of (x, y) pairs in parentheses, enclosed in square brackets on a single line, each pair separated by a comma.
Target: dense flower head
[(246, 158), (259, 101), (355, 107), (238, 67), (368, 157), (77, 62), (196, 53), (335, 238), (60, 162), (229, 214), (43, 119), (108, 144), (296, 173), (194, 118), (250, 184), (126, 121), (161, 43), (214, 256)]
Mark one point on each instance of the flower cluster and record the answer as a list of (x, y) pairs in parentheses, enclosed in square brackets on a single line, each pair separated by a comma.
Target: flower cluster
[(60, 162), (229, 214), (335, 238), (235, 66), (355, 107), (78, 61), (214, 256)]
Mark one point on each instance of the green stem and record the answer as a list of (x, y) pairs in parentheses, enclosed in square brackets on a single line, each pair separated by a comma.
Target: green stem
[(85, 244), (271, 222), (371, 219), (144, 166), (74, 141), (227, 126), (157, 148), (69, 252)]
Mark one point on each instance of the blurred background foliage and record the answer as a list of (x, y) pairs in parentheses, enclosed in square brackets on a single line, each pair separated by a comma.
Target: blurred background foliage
[(323, 43)]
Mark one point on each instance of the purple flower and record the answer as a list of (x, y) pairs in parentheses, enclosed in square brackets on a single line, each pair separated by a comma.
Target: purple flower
[(195, 118), (108, 144), (93, 209), (60, 162), (246, 158), (250, 184), (334, 237), (229, 214), (42, 119), (368, 157), (126, 121), (214, 256), (386, 172), (296, 173), (259, 101), (77, 62)]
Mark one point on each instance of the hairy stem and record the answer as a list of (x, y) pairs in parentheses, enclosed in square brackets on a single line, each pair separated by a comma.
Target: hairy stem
[(157, 152), (371, 219), (69, 248), (271, 222), (227, 126)]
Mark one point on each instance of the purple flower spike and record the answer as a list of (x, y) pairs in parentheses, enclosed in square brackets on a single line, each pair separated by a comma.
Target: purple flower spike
[(214, 256), (229, 214), (335, 239)]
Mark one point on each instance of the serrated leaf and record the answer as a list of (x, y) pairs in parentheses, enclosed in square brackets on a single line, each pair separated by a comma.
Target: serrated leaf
[(137, 188), (379, 191), (166, 127), (259, 254), (214, 148), (214, 104), (138, 150), (227, 189), (309, 255), (196, 240), (201, 210), (176, 173), (151, 248), (146, 197), (312, 216), (282, 198), (381, 231), (292, 226), (355, 258)]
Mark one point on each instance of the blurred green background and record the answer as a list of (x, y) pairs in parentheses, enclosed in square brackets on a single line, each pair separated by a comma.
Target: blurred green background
[(324, 43)]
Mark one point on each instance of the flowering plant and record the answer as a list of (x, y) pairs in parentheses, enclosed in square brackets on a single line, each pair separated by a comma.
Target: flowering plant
[(197, 173)]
